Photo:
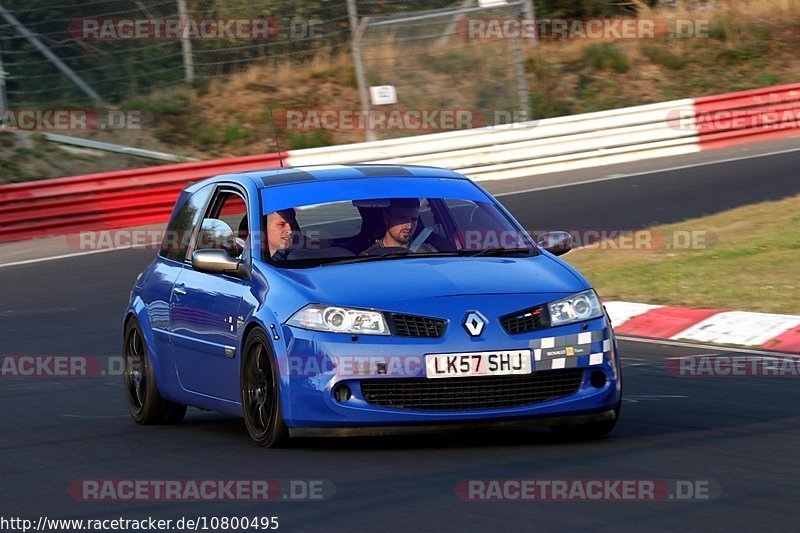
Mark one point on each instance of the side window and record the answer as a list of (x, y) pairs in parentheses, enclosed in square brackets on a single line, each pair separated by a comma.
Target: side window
[(225, 225), (179, 231)]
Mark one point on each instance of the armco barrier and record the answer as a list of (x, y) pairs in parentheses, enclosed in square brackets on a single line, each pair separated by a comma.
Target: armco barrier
[(107, 200), (748, 116), (529, 148), (144, 196)]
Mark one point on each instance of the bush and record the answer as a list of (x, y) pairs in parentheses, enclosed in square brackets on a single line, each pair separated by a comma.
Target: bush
[(606, 56), (719, 30), (663, 57), (236, 132), (315, 139), (739, 54)]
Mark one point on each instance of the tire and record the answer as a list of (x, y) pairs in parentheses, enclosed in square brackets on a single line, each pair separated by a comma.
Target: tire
[(145, 403), (260, 388), (590, 431)]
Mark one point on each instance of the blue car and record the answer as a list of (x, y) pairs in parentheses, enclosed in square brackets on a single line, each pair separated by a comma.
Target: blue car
[(365, 299)]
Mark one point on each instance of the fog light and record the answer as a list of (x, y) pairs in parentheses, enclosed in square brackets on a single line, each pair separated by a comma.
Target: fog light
[(342, 393), (598, 380)]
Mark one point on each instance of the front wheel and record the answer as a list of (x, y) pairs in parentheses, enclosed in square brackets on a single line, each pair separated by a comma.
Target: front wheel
[(144, 401), (260, 384)]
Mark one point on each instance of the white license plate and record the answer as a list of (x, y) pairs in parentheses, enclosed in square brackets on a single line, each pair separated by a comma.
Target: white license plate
[(478, 364)]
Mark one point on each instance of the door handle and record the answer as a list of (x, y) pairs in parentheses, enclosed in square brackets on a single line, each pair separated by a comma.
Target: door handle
[(179, 291)]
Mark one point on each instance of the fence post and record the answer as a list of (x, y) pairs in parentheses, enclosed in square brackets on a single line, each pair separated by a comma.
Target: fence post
[(530, 16), (522, 80), (3, 101), (186, 43), (357, 31)]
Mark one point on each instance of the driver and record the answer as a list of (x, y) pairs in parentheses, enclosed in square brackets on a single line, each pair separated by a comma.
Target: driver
[(400, 218), (280, 227)]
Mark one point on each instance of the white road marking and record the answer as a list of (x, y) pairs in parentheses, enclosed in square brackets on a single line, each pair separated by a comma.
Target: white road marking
[(636, 398), (646, 172), (683, 344), (66, 256)]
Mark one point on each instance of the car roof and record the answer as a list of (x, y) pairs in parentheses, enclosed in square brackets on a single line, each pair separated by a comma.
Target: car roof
[(289, 175)]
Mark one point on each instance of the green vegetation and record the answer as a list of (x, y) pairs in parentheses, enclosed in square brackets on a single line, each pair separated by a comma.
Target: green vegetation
[(748, 254), (315, 139), (606, 56), (664, 57)]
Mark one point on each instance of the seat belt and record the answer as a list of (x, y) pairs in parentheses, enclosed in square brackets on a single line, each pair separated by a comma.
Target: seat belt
[(420, 240)]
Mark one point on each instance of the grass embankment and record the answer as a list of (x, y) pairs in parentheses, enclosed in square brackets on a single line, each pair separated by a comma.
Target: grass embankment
[(750, 262)]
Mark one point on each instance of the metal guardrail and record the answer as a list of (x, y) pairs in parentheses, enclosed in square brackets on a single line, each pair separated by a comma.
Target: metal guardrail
[(748, 116), (106, 200), (145, 196), (116, 148), (529, 148)]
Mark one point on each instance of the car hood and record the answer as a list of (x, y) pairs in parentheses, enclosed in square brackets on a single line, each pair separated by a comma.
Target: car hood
[(366, 284)]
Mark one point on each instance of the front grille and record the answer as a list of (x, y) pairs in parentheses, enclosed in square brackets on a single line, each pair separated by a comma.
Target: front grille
[(462, 394), (415, 326), (526, 320)]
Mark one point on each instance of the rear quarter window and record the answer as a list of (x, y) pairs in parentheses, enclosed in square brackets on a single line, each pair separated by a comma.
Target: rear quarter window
[(180, 228)]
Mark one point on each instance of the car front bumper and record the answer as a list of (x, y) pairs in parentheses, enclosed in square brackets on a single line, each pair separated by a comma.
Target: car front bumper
[(316, 364), (447, 427)]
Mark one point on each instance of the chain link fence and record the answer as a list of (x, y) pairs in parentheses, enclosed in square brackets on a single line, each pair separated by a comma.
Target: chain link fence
[(107, 52), (439, 69), (99, 42), (119, 50)]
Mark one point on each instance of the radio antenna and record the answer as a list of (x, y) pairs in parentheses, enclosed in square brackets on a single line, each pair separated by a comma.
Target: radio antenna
[(275, 131)]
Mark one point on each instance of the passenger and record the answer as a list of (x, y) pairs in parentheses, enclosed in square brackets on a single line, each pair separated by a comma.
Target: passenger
[(281, 226), (400, 218)]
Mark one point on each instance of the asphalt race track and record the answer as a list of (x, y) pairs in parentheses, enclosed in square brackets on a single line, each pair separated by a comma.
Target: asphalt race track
[(739, 435)]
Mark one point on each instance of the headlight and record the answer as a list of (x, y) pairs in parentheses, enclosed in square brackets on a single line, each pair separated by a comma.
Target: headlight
[(339, 320), (576, 308)]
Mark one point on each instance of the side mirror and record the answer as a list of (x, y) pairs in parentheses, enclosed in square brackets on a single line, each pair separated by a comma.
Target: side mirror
[(216, 261), (216, 234), (556, 242)]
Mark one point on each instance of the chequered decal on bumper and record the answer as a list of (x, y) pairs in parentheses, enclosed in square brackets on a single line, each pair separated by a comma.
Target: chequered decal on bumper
[(571, 351)]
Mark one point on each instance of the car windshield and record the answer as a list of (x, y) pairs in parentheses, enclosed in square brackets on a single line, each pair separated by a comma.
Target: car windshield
[(389, 228)]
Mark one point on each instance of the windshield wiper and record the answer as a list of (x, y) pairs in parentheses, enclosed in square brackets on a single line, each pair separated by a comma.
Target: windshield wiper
[(499, 251), (388, 255)]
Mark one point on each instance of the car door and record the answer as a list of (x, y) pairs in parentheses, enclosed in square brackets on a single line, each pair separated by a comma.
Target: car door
[(205, 308), (162, 274)]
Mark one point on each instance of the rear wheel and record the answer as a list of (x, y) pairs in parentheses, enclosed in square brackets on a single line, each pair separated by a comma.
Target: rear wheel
[(144, 401), (260, 384)]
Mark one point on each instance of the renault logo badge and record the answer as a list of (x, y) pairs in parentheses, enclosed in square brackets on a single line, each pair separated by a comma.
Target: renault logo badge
[(474, 323)]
